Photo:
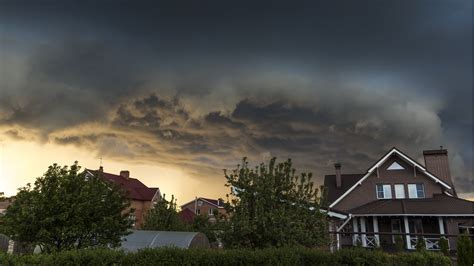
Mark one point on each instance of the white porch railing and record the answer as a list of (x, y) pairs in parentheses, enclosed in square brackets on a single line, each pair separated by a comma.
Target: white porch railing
[(430, 243), (371, 241)]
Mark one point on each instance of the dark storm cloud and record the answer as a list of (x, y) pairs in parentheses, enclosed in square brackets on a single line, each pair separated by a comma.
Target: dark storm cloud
[(66, 82), (319, 81), (217, 118), (152, 113)]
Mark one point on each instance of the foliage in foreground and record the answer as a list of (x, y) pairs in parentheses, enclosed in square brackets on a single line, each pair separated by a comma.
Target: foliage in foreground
[(271, 256), (67, 210), (273, 206)]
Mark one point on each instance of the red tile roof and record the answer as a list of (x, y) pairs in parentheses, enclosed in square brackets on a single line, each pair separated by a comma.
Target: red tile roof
[(187, 215), (136, 190)]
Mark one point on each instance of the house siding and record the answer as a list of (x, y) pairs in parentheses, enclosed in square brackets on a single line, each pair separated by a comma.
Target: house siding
[(366, 192)]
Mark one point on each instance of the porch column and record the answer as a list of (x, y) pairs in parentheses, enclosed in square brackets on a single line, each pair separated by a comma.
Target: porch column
[(356, 229), (407, 231), (362, 230), (376, 230), (441, 225)]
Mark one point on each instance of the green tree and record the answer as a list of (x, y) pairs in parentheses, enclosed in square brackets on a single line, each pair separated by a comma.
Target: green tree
[(202, 224), (420, 244), (271, 206), (164, 217), (399, 243), (444, 246), (465, 252), (65, 209)]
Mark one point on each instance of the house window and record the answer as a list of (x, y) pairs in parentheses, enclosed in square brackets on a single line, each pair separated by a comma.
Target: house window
[(198, 211), (384, 191), (416, 191), (199, 203), (211, 211), (399, 191)]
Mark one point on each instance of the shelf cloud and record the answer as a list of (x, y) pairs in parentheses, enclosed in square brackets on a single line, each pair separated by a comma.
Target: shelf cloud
[(199, 86)]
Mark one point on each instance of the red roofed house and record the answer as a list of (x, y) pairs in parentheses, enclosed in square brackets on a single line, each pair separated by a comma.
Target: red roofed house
[(142, 198), (398, 195), (205, 206)]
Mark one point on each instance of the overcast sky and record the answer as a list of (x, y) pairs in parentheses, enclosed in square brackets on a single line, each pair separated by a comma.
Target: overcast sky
[(176, 91)]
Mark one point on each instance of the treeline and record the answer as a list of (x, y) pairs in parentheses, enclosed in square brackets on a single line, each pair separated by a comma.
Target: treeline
[(270, 205)]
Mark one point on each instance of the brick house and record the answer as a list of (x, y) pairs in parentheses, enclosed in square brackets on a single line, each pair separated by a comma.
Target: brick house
[(142, 198), (398, 195), (201, 206)]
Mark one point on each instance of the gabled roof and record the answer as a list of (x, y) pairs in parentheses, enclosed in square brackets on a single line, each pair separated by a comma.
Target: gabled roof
[(379, 163), (214, 202), (347, 182), (440, 204), (136, 190)]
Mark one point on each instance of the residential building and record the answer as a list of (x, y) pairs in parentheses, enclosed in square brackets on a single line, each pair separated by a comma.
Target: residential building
[(142, 198), (397, 194), (5, 203), (210, 207)]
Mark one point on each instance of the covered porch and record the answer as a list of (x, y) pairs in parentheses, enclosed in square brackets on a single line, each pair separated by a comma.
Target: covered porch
[(382, 222), (385, 231)]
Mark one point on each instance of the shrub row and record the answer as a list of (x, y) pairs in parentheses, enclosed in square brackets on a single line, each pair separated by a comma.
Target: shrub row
[(174, 256)]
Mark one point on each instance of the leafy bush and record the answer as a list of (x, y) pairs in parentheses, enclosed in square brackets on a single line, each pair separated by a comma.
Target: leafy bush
[(270, 256)]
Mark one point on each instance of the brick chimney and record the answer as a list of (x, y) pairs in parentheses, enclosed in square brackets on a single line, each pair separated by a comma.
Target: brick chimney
[(337, 166), (125, 174), (436, 162)]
